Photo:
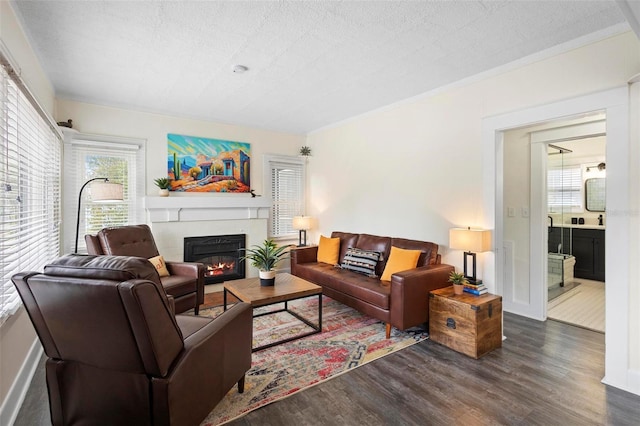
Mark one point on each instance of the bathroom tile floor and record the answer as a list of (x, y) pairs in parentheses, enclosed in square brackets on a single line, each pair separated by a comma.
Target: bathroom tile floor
[(582, 305)]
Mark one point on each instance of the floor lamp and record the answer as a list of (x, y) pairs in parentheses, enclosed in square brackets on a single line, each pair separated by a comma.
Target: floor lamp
[(104, 191), (471, 241)]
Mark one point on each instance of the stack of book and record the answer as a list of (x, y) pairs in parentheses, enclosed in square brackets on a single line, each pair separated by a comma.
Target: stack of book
[(476, 288)]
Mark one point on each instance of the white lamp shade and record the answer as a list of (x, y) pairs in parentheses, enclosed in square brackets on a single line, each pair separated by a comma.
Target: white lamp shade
[(106, 192), (302, 222), (472, 240)]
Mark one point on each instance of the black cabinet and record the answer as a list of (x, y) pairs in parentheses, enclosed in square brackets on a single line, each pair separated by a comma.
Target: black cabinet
[(588, 249)]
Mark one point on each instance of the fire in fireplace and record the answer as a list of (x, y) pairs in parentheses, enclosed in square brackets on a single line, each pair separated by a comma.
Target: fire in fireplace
[(219, 253)]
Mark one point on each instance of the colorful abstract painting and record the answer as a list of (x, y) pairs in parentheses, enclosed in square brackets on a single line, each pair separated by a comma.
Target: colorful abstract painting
[(197, 164)]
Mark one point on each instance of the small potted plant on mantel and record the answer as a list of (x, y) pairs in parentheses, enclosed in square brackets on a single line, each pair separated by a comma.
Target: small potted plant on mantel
[(164, 184), (458, 280), (265, 257)]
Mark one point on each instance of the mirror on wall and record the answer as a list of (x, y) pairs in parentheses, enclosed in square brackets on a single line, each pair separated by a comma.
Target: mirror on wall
[(595, 196)]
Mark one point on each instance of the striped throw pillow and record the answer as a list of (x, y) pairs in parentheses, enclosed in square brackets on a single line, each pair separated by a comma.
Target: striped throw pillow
[(361, 261)]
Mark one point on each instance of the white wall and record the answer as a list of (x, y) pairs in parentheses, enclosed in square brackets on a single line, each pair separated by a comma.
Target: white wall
[(517, 195), (96, 119), (415, 169), (17, 336), (418, 168)]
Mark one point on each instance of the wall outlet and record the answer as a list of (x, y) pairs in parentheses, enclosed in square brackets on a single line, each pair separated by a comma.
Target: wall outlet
[(511, 212), (525, 211)]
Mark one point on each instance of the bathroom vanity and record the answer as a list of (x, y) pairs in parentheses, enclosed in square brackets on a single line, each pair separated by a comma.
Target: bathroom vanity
[(586, 243)]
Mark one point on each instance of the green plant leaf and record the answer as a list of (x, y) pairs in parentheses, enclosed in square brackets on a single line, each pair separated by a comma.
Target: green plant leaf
[(265, 256)]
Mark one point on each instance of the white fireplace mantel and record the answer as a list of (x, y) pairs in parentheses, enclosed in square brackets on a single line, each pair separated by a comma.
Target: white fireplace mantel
[(198, 208)]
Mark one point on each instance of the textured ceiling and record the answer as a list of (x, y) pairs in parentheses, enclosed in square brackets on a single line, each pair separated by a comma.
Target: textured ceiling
[(311, 64)]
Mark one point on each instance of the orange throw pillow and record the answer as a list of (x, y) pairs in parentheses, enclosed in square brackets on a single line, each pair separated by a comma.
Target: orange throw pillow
[(400, 260), (160, 265), (328, 250)]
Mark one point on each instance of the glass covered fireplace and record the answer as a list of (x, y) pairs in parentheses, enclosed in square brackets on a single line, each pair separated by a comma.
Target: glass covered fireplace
[(219, 253)]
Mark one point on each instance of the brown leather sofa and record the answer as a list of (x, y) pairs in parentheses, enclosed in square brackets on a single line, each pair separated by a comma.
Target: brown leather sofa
[(402, 302), (186, 280), (116, 352)]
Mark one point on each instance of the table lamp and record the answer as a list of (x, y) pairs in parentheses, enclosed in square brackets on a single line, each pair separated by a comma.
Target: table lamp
[(472, 241), (104, 191), (302, 223)]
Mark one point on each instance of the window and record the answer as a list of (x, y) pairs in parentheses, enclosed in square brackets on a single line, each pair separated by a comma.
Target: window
[(284, 183), (121, 160), (564, 188), (30, 160)]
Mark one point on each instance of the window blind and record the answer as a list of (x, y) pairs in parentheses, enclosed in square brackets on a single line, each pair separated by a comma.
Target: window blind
[(287, 195), (30, 180), (87, 159), (564, 187)]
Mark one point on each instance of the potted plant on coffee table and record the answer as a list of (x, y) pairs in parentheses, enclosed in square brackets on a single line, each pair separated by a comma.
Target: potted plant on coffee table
[(458, 280), (265, 257)]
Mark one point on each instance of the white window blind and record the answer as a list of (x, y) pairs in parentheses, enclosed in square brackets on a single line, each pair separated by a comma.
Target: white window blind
[(286, 178), (564, 188), (88, 157), (30, 160)]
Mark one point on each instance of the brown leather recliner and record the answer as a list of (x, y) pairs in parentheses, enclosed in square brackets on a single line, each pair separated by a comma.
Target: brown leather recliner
[(186, 280), (116, 352)]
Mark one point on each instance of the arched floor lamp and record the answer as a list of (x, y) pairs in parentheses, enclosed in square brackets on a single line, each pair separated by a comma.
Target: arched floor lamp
[(104, 192)]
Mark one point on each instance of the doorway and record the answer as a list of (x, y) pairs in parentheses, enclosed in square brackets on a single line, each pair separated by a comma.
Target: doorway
[(499, 267), (576, 194)]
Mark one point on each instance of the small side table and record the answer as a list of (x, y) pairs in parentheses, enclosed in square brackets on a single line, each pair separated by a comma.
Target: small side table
[(465, 323)]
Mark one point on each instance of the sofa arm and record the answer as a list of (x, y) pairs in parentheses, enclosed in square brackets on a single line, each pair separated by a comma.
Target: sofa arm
[(410, 293), (300, 255), (214, 358)]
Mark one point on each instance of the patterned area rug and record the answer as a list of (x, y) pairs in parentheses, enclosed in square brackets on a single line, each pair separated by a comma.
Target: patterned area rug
[(348, 339)]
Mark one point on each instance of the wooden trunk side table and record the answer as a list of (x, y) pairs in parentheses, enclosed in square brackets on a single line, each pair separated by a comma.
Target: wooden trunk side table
[(465, 323)]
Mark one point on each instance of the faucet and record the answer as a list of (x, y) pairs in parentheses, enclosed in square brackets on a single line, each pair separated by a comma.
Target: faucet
[(600, 220), (550, 218), (559, 248)]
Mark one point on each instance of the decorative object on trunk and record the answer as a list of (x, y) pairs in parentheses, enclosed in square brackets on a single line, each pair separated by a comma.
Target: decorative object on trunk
[(458, 280), (68, 123)]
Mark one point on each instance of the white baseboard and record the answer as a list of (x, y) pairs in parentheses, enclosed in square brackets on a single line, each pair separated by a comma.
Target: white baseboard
[(631, 385), (634, 381), (12, 403)]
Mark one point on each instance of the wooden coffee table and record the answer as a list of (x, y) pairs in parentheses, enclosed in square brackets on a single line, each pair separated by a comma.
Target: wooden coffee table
[(286, 289)]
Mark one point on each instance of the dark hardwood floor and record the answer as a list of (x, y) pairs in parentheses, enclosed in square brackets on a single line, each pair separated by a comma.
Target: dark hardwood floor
[(546, 373)]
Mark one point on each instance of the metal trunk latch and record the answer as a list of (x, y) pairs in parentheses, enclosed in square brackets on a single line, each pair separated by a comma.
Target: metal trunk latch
[(451, 323)]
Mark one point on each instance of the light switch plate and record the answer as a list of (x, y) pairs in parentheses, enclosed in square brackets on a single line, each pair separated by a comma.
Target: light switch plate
[(525, 211), (511, 212)]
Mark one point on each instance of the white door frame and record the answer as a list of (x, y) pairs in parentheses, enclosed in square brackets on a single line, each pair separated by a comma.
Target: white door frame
[(615, 103), (538, 235)]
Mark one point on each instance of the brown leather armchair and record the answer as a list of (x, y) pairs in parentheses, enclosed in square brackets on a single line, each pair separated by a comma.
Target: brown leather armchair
[(186, 280), (116, 352)]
